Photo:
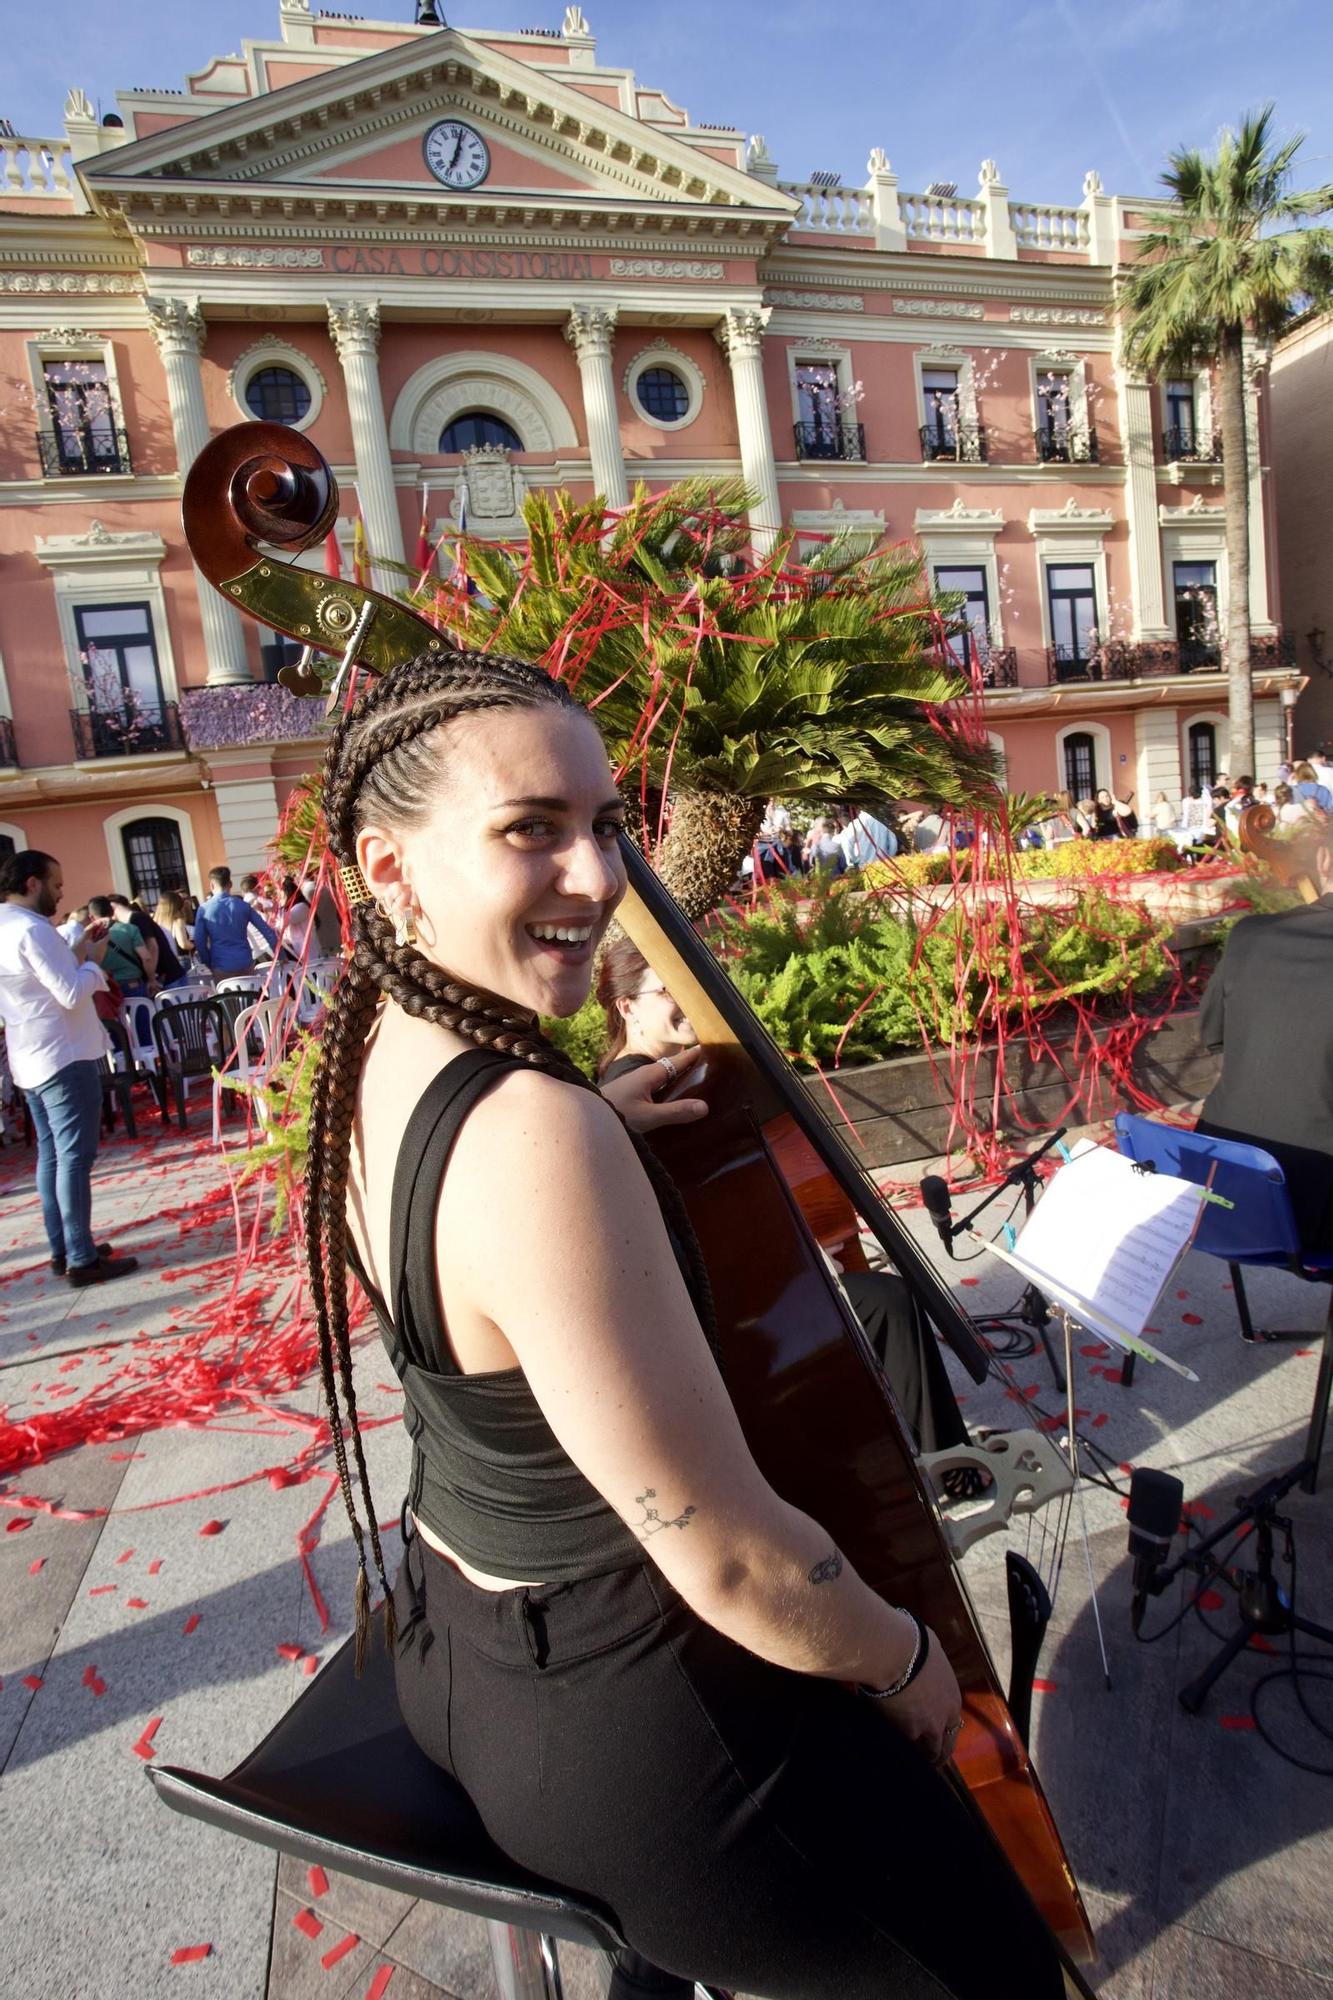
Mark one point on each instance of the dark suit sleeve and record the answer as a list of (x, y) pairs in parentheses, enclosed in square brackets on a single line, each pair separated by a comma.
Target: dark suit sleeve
[(1212, 1012)]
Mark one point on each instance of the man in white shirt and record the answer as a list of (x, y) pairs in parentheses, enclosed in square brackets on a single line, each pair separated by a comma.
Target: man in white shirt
[(867, 839), (56, 1044)]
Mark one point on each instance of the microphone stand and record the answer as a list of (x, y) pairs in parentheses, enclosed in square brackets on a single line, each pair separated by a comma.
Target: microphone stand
[(1034, 1310)]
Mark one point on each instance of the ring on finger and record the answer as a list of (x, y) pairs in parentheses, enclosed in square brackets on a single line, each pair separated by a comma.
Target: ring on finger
[(668, 1066)]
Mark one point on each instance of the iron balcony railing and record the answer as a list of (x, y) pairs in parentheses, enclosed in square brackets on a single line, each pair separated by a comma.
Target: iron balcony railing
[(830, 440), (1147, 659), (965, 443), (8, 752), (129, 731), (997, 667), (1182, 444), (1072, 444), (83, 448)]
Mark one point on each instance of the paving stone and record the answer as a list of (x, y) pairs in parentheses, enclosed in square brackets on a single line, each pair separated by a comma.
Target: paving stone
[(368, 1909), (1191, 1967), (448, 1948), (297, 1971)]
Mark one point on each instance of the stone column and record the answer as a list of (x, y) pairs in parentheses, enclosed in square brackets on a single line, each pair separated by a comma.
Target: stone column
[(1145, 541), (588, 331), (355, 326), (178, 328), (994, 198), (741, 338)]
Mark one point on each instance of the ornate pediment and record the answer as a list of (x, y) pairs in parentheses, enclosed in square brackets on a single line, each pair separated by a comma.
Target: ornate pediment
[(356, 131)]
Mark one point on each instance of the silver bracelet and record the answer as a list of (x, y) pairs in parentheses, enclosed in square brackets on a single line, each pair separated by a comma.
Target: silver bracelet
[(918, 1660)]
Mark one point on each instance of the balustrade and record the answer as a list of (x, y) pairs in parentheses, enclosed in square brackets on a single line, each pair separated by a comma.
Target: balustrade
[(129, 731), (937, 218), (1037, 226), (37, 166), (832, 211)]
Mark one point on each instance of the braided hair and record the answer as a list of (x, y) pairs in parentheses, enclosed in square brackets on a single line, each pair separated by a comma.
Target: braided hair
[(383, 766)]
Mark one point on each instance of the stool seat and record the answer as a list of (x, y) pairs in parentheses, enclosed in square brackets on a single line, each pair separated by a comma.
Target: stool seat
[(340, 1781)]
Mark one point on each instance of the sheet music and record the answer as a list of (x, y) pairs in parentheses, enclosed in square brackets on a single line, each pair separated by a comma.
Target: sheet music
[(1109, 1234)]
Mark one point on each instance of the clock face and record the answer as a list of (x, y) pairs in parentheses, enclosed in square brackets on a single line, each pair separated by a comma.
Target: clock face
[(456, 155)]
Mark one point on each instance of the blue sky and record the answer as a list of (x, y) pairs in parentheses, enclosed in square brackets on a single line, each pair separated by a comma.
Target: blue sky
[(1047, 89)]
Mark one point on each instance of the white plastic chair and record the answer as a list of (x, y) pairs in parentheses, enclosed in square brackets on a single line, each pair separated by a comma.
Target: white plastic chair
[(242, 982), (321, 976), (249, 1073)]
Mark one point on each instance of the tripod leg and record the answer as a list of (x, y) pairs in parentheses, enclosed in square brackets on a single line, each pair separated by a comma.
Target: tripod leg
[(1193, 1697), (1038, 1314), (1314, 1443)]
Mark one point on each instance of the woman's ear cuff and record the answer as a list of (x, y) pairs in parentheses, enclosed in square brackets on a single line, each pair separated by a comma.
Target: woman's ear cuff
[(354, 884)]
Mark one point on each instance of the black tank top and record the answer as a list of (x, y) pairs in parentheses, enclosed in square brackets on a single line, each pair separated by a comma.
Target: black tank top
[(489, 1476)]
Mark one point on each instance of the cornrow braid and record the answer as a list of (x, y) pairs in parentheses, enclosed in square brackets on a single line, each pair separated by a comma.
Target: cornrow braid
[(382, 765)]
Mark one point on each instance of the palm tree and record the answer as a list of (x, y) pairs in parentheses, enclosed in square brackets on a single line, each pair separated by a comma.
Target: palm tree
[(1234, 260), (725, 683)]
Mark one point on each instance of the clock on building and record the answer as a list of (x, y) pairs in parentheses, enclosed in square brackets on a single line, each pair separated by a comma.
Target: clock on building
[(457, 155)]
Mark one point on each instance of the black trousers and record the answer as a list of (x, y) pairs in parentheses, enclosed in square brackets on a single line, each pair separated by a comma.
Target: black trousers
[(910, 1356), (759, 1829)]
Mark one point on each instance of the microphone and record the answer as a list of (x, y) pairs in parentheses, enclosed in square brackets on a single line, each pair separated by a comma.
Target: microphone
[(935, 1196), (1154, 1516)]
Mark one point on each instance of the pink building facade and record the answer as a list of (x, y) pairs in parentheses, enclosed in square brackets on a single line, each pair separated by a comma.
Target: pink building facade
[(488, 263)]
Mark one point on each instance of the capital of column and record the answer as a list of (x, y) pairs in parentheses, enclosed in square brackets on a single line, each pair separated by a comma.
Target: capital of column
[(741, 331), (354, 325), (589, 329), (177, 324)]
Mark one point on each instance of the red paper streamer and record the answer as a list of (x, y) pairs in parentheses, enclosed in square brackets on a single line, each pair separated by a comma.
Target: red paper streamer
[(189, 1954), (212, 1527), (308, 1923), (379, 1985), (191, 1625), (337, 1951), (144, 1747), (318, 1880)]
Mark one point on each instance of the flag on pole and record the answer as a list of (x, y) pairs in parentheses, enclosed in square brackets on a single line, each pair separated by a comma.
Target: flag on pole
[(333, 555), (360, 554), (424, 562)]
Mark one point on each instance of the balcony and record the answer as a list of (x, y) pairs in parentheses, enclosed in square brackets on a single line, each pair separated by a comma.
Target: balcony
[(130, 731), (1182, 445), (1149, 659), (78, 449), (965, 446), (8, 753), (1070, 445), (831, 440), (997, 667)]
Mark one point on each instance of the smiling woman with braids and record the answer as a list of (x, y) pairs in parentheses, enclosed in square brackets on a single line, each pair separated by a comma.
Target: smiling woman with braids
[(624, 1644)]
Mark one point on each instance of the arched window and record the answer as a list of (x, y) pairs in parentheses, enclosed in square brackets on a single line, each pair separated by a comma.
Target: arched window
[(477, 427), (1080, 765), (277, 396), (154, 857), (1203, 754)]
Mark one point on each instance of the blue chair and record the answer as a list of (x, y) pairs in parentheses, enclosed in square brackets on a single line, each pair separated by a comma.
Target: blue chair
[(1257, 1229)]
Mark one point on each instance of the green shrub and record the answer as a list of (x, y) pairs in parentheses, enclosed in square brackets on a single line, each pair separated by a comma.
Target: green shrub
[(1071, 860), (582, 1036)]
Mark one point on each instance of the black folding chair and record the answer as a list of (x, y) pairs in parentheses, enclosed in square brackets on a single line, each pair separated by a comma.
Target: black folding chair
[(340, 1781), (192, 1041)]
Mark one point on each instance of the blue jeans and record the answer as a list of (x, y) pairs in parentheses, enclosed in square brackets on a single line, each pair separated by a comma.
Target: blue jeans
[(67, 1118)]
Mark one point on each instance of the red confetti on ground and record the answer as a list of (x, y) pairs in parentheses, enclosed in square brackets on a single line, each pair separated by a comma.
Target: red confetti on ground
[(33, 1681), (124, 1556), (124, 1457), (1182, 1295), (18, 1524), (309, 1665), (1044, 1687), (1199, 1507), (92, 1679), (102, 1589), (188, 1954), (1260, 1644), (1191, 1319), (318, 1880), (144, 1747), (33, 1567), (154, 1566), (1210, 1600), (970, 1281), (289, 1652), (212, 1527), (1096, 1353), (1236, 1721), (137, 1603), (337, 1951), (379, 1985), (190, 1625), (308, 1923), (1099, 1420)]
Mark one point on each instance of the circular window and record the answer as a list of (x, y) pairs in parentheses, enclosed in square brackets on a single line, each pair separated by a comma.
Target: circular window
[(277, 396), (663, 394), (478, 427)]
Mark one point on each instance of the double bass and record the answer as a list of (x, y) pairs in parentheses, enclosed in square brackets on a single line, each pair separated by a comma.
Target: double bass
[(764, 1178)]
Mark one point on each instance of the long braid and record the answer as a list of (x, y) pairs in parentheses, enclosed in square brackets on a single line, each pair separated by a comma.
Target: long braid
[(380, 764)]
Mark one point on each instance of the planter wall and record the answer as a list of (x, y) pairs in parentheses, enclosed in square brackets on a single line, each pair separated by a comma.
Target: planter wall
[(901, 1109)]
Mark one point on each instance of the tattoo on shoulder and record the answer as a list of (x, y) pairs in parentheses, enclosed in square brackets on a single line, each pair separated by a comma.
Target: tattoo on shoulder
[(826, 1570), (652, 1522)]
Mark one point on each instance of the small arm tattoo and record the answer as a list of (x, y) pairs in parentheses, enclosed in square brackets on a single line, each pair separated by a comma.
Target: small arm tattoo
[(828, 1569), (652, 1522)]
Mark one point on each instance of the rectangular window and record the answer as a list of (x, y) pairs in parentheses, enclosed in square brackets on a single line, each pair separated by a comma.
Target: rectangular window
[(118, 654), (1197, 632), (1053, 405), (83, 420), (972, 644), (939, 388), (1180, 427), (819, 432), (1072, 598)]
